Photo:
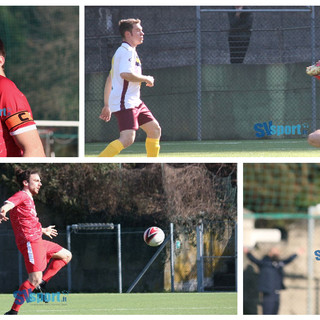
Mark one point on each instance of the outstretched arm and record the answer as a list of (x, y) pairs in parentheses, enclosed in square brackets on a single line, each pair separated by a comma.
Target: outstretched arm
[(290, 259), (4, 209), (299, 252), (253, 259)]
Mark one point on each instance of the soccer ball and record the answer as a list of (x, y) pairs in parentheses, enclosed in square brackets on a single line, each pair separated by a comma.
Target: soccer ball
[(153, 236)]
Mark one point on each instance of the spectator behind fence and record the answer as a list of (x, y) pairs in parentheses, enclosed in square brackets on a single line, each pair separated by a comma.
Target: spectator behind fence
[(239, 33), (270, 280)]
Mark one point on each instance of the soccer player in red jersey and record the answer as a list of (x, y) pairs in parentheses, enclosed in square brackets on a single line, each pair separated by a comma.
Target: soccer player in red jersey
[(28, 234), (314, 137), (18, 131)]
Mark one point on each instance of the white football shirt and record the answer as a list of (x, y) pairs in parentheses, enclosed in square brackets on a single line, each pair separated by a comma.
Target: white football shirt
[(124, 94)]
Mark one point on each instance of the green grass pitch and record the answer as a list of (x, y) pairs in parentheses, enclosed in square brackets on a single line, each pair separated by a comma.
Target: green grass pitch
[(236, 148), (131, 304)]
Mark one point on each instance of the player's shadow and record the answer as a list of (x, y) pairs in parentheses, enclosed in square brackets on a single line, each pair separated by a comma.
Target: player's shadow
[(250, 291)]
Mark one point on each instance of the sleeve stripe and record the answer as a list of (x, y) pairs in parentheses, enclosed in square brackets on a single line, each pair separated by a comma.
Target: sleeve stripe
[(24, 129), (9, 202)]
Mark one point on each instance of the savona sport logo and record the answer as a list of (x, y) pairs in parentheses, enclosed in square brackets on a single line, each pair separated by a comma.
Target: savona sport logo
[(29, 297), (269, 129)]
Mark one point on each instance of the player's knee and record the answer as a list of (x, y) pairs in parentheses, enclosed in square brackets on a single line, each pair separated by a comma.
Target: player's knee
[(127, 140), (155, 131), (65, 255), (68, 256)]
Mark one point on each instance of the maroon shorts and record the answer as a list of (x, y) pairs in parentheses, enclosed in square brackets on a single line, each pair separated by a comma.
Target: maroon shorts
[(132, 119), (37, 254)]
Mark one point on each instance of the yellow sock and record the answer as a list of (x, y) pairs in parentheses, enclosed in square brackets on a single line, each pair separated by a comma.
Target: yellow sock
[(152, 147), (112, 149)]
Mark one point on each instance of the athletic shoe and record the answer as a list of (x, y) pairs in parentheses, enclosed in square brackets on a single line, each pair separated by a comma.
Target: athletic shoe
[(12, 312), (41, 288)]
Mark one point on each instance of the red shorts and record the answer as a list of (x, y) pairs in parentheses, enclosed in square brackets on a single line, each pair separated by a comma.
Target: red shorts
[(37, 254), (132, 119)]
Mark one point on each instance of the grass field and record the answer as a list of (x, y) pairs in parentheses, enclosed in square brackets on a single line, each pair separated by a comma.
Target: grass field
[(131, 304), (245, 148)]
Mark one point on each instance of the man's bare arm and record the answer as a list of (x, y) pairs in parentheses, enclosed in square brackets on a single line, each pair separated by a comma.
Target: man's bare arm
[(105, 112), (4, 209), (30, 143), (107, 89)]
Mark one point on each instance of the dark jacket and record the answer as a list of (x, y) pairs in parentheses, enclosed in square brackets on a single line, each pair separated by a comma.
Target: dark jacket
[(242, 23), (271, 273)]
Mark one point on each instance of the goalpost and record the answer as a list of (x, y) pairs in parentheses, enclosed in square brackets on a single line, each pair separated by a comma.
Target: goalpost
[(75, 228)]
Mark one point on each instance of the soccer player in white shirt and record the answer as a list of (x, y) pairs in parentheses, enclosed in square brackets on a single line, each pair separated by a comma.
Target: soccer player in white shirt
[(122, 94)]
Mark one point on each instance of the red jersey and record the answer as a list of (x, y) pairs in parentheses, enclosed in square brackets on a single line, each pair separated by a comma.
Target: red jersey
[(15, 115), (24, 220)]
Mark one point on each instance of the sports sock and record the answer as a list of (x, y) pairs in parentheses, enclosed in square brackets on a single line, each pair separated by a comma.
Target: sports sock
[(152, 147), (54, 267), (112, 149), (25, 289)]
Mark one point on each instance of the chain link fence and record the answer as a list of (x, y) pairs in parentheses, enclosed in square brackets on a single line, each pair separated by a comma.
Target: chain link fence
[(199, 94), (220, 257), (168, 54), (257, 78)]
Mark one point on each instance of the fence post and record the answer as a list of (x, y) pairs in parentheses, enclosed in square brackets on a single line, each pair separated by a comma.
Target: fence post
[(236, 254), (199, 75), (200, 257), (119, 258), (313, 58), (172, 257), (148, 264), (311, 211), (69, 264)]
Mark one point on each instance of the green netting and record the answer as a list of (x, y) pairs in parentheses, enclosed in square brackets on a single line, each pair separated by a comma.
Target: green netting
[(285, 187)]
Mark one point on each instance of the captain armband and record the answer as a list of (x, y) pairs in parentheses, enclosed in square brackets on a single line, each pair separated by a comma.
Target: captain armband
[(15, 120)]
